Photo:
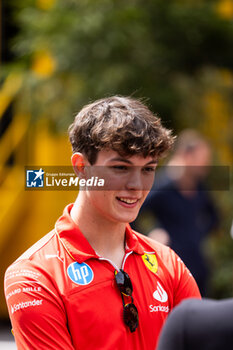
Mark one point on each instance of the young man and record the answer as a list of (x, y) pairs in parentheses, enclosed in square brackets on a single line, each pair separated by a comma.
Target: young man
[(93, 283)]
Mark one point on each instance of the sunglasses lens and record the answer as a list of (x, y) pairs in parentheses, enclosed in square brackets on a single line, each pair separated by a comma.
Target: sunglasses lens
[(131, 316), (124, 283), (130, 312)]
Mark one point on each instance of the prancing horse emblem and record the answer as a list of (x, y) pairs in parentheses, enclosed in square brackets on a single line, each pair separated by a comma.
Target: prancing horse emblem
[(151, 262)]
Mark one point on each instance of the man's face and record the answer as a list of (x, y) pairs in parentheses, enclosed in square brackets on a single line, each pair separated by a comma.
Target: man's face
[(127, 183), (198, 161)]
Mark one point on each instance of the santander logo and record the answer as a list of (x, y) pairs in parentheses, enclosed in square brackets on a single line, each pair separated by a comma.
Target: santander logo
[(160, 294)]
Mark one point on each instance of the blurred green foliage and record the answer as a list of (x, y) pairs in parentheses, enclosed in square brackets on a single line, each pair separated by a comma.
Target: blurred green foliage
[(110, 47), (178, 54)]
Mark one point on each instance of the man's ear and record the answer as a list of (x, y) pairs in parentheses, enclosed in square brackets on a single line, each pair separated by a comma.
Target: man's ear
[(78, 162)]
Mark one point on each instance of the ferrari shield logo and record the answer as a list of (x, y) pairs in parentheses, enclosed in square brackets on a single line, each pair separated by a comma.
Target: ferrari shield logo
[(151, 262)]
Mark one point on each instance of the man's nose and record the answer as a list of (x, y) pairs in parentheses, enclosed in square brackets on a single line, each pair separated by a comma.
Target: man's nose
[(135, 180)]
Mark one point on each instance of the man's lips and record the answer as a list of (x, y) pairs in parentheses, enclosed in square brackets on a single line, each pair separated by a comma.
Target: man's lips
[(127, 200)]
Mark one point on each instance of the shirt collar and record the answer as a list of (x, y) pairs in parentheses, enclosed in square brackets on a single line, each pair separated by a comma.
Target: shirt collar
[(78, 247)]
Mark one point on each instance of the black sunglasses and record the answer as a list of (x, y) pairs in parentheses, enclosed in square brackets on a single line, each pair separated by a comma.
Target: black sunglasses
[(130, 312)]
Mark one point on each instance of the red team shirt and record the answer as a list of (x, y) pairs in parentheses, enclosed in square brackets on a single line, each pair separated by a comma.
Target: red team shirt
[(62, 295)]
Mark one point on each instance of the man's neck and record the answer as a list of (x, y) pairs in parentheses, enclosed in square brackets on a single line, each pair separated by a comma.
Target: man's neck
[(106, 237)]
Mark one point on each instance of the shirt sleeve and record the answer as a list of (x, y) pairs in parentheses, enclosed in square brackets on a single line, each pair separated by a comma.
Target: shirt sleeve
[(36, 309), (184, 283)]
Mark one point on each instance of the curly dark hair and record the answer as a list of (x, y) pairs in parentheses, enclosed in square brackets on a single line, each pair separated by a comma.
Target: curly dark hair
[(123, 124)]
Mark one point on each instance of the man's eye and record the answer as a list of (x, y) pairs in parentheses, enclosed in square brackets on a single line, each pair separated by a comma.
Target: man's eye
[(120, 167), (149, 169)]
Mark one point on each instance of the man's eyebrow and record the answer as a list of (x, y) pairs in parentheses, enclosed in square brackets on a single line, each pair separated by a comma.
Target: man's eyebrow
[(154, 161), (119, 159), (124, 160)]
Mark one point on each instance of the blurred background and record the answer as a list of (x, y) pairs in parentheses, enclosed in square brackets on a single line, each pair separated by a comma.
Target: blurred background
[(58, 55)]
